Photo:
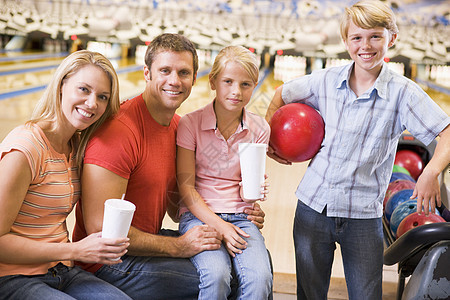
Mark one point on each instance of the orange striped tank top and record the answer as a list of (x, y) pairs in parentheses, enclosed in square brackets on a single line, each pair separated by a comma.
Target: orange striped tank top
[(53, 192)]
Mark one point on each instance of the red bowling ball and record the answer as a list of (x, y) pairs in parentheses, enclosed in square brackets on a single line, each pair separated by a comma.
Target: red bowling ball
[(297, 131), (411, 161), (414, 220)]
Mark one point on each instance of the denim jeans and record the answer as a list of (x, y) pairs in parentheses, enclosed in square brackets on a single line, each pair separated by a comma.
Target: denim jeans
[(145, 277), (361, 242), (252, 266), (60, 282)]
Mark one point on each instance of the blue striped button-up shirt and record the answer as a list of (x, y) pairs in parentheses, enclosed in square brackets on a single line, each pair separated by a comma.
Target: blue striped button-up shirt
[(351, 172)]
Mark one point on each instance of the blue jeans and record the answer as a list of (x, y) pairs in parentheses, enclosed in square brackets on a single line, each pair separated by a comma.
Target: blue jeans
[(361, 242), (60, 282), (145, 277), (214, 267)]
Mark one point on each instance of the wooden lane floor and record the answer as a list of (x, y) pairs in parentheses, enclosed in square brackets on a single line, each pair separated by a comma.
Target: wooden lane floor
[(442, 99), (20, 71)]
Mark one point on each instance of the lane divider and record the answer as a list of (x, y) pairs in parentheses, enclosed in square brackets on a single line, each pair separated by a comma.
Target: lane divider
[(28, 70)]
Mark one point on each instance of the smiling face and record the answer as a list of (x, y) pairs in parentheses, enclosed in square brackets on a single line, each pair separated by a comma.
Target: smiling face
[(368, 47), (85, 96), (170, 79), (234, 87)]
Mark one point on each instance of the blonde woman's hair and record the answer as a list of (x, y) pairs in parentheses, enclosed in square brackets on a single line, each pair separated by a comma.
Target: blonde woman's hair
[(368, 14), (48, 108), (238, 54)]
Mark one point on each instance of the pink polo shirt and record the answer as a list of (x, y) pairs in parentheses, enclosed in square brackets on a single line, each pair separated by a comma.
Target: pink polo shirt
[(217, 169)]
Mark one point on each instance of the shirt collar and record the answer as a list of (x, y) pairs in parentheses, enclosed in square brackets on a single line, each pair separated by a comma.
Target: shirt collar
[(209, 120), (344, 76), (380, 85)]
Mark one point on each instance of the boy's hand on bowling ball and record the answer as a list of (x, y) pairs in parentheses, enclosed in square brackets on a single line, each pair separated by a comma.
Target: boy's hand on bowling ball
[(271, 153), (231, 237), (427, 192)]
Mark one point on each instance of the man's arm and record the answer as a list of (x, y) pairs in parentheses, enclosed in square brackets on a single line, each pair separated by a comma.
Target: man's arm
[(427, 187), (100, 184)]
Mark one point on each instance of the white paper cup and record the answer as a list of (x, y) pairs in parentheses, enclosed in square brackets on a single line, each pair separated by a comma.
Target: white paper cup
[(252, 158), (117, 218)]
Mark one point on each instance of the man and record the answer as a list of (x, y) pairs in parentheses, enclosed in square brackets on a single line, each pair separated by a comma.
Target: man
[(134, 154)]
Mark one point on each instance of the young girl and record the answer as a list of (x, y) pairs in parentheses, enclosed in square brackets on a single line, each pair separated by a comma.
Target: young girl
[(209, 178), (40, 165)]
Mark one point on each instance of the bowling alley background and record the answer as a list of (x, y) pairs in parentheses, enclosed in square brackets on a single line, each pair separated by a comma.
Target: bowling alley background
[(290, 39)]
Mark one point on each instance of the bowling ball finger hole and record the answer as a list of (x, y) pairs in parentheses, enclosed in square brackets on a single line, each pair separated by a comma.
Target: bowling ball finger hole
[(416, 224), (411, 207)]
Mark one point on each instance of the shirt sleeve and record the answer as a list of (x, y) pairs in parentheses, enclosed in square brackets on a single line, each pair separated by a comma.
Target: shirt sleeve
[(302, 89), (186, 133), (421, 116), (114, 147), (262, 129), (26, 142)]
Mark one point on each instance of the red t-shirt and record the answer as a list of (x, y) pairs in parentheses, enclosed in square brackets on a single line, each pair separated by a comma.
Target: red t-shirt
[(134, 146)]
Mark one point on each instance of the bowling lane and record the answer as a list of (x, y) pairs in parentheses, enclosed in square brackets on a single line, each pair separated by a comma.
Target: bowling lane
[(442, 99), (16, 82), (17, 60), (19, 66), (21, 70)]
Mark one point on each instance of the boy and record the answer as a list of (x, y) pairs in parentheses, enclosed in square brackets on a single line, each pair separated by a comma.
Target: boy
[(366, 107)]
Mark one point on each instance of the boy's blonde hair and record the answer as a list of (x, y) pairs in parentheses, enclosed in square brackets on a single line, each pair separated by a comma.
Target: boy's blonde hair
[(368, 14), (48, 108), (238, 54)]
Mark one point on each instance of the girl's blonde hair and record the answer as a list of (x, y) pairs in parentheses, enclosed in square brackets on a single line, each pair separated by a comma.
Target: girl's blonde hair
[(48, 108), (238, 54), (368, 14)]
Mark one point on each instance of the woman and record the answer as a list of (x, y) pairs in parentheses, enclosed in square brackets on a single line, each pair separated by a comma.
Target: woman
[(40, 164)]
